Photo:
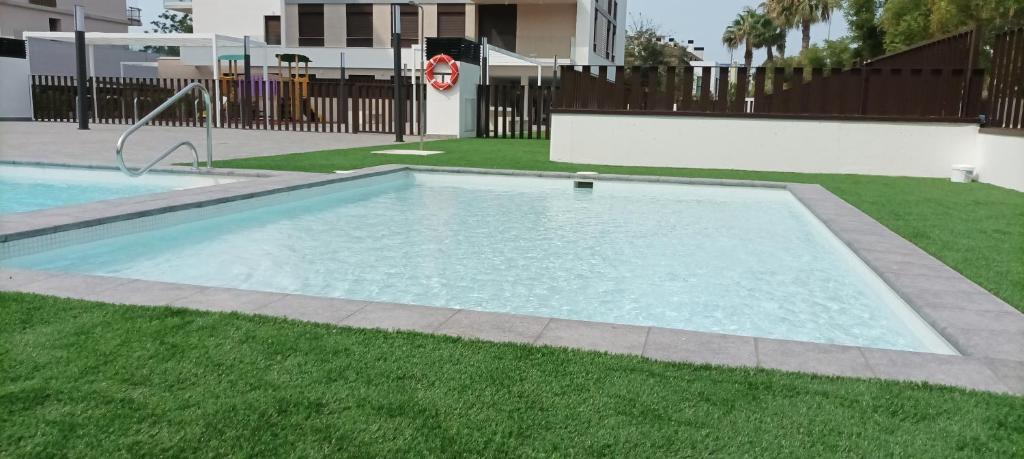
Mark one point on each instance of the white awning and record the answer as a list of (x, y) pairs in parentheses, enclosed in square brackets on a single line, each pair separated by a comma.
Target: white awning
[(147, 39)]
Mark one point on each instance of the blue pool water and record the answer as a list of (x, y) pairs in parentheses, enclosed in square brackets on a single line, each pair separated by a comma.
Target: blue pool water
[(28, 188), (744, 261)]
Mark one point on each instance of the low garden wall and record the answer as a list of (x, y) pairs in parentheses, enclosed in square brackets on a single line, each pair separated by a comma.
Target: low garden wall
[(784, 144), (1001, 158)]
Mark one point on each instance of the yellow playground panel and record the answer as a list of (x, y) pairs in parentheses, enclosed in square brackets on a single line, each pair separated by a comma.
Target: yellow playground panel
[(294, 97)]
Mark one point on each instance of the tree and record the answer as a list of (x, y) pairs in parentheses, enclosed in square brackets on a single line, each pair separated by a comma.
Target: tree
[(831, 54), (744, 31), (169, 22), (643, 45), (646, 46), (907, 22), (801, 14), (866, 34), (771, 36)]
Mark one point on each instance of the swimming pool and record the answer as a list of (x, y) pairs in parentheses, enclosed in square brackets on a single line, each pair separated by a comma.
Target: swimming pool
[(28, 188), (736, 260)]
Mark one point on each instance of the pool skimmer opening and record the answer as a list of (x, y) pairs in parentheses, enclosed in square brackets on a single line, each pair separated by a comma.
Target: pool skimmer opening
[(584, 180)]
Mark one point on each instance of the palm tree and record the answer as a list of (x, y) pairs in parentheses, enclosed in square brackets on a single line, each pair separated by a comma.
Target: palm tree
[(801, 13), (743, 31), (778, 36), (769, 36)]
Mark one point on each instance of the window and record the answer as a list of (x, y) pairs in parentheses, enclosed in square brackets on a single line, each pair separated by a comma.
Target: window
[(359, 26), (311, 25), (272, 30), (605, 29), (54, 25), (451, 21), (410, 21), (49, 3)]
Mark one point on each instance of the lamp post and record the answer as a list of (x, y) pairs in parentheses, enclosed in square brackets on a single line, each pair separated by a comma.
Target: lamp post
[(423, 76), (81, 72), (396, 45)]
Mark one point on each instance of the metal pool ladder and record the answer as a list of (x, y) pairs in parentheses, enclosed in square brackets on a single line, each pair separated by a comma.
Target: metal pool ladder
[(156, 112)]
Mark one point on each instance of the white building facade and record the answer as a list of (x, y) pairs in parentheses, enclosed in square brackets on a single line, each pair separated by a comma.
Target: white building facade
[(20, 16), (584, 32)]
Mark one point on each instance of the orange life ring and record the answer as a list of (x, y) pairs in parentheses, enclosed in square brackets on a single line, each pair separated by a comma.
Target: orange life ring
[(437, 83)]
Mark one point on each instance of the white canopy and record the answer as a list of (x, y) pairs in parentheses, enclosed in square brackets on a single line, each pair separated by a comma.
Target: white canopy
[(147, 39)]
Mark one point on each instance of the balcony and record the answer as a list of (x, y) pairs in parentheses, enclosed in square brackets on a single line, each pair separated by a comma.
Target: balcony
[(182, 6), (134, 16)]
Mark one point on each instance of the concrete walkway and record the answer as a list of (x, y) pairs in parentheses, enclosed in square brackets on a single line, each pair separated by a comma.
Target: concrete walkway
[(64, 143)]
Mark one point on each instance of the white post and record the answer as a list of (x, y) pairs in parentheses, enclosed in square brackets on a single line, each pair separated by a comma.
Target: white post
[(415, 88), (216, 83), (92, 73), (266, 89)]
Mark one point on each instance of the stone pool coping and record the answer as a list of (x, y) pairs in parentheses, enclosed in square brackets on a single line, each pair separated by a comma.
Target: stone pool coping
[(987, 332)]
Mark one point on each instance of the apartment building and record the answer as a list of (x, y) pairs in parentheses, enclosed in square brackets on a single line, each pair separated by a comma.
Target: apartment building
[(58, 58), (20, 16), (585, 32)]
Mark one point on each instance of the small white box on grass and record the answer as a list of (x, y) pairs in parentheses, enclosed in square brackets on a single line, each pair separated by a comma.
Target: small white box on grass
[(962, 173)]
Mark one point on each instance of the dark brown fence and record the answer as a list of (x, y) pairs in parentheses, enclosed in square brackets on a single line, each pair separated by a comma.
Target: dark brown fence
[(908, 93), (949, 52), (1005, 106), (514, 111), (317, 106)]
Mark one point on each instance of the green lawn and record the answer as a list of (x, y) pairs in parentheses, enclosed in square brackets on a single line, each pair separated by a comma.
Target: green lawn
[(87, 379), (977, 229)]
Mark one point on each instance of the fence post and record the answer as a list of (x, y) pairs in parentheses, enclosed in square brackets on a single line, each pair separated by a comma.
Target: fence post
[(969, 74)]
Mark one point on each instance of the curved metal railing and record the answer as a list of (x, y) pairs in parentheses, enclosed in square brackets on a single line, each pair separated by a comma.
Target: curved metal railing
[(156, 112)]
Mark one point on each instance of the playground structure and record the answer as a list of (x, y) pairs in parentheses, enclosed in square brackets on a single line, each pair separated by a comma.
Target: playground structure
[(294, 102), (289, 90)]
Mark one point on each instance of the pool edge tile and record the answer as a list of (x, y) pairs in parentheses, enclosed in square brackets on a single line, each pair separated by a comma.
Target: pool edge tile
[(817, 358), (494, 326), (594, 336), (700, 347)]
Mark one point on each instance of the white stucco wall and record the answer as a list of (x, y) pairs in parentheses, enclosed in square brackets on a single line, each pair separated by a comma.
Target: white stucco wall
[(16, 102), (1000, 160), (845, 147), (234, 18)]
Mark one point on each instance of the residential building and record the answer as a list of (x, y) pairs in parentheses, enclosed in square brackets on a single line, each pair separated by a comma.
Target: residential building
[(58, 58), (19, 16), (585, 32)]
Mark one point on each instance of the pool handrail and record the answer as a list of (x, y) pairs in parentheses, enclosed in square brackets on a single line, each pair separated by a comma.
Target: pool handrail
[(156, 112)]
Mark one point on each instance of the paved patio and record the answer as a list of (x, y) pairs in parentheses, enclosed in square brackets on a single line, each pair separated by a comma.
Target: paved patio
[(63, 143), (988, 333)]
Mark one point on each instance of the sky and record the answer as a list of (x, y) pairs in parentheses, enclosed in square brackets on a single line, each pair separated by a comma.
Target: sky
[(700, 20), (703, 21)]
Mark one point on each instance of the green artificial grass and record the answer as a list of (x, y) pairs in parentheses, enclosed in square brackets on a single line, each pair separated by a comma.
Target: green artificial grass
[(976, 229), (88, 379)]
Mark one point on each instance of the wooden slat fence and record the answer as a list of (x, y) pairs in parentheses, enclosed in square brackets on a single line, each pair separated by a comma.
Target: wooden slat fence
[(908, 93), (514, 111), (319, 106), (948, 52), (1005, 107)]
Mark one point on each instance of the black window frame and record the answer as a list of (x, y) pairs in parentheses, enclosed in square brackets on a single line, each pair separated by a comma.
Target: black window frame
[(307, 15), (359, 12), (55, 24), (268, 38), (448, 13), (408, 15)]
